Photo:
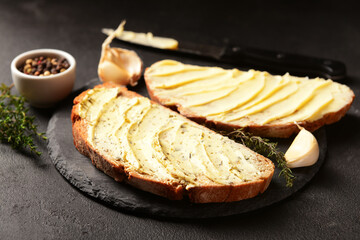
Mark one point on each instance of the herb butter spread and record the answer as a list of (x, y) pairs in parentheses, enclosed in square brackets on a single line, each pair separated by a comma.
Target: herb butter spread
[(150, 139), (245, 97)]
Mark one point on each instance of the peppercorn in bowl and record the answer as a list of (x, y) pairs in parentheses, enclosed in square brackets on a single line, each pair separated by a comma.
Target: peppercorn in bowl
[(44, 76)]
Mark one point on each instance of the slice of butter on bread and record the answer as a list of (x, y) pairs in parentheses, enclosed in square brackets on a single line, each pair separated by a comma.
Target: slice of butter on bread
[(261, 103), (155, 149)]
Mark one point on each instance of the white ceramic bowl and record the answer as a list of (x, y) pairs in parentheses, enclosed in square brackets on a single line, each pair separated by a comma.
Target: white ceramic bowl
[(43, 91)]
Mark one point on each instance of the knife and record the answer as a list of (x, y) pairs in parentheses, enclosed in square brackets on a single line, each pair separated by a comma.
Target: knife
[(275, 62)]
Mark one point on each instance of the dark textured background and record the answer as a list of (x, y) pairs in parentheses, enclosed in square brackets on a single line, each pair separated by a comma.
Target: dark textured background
[(37, 203)]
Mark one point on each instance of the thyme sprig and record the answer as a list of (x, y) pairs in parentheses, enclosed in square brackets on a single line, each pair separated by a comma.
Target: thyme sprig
[(264, 147), (16, 127)]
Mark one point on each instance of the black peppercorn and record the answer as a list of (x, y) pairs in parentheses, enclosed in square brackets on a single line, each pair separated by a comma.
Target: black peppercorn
[(44, 66)]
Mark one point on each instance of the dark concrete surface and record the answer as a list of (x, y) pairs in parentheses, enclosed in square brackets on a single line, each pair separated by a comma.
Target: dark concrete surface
[(36, 202)]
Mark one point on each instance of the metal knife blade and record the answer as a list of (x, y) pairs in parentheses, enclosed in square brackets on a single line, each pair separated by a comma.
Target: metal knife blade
[(272, 61)]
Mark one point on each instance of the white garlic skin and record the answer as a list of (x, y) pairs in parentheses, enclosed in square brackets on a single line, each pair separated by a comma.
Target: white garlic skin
[(304, 150), (118, 65)]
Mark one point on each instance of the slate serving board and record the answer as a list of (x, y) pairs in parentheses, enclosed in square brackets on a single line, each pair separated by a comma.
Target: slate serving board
[(80, 172)]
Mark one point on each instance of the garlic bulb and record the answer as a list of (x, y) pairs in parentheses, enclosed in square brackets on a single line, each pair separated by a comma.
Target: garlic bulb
[(303, 151), (119, 65)]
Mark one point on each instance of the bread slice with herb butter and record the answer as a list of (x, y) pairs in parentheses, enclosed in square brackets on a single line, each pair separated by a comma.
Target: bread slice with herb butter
[(261, 103), (153, 148)]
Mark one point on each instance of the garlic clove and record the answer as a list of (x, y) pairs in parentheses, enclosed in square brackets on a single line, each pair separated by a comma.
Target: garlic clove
[(303, 151), (111, 72), (119, 65)]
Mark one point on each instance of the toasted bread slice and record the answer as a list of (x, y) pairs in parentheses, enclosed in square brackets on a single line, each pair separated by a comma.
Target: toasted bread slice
[(261, 103), (153, 148)]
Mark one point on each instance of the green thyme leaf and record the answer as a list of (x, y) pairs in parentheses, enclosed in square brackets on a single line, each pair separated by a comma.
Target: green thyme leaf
[(264, 147), (16, 127)]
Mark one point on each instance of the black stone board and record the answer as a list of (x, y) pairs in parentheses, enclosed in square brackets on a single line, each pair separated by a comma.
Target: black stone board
[(80, 172)]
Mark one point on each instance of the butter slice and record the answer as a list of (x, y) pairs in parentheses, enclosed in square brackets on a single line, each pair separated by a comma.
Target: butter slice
[(153, 140), (245, 98), (146, 39)]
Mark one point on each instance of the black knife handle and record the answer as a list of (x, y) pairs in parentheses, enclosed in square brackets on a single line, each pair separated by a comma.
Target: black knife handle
[(280, 63)]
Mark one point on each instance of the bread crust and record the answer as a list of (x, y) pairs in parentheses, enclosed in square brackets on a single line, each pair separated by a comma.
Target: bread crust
[(284, 130), (171, 190)]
